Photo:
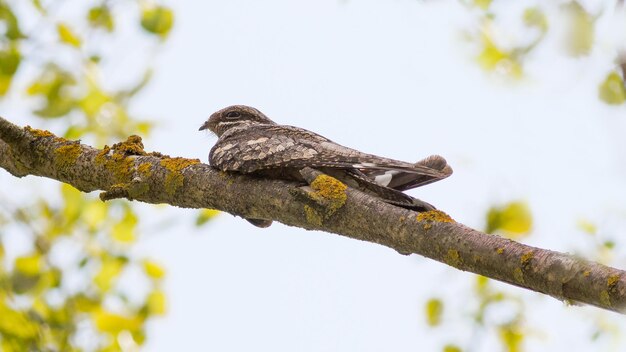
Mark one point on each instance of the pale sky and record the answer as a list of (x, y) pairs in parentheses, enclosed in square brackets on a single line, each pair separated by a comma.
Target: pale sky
[(397, 79)]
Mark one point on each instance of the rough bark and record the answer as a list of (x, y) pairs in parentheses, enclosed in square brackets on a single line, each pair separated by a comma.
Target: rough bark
[(126, 171)]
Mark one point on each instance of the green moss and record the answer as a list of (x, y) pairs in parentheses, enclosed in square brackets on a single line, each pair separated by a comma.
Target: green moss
[(65, 156), (174, 178), (39, 133), (435, 216), (453, 258), (518, 275)]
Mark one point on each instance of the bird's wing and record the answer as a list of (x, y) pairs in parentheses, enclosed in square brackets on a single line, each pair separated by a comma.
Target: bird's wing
[(402, 181), (275, 146)]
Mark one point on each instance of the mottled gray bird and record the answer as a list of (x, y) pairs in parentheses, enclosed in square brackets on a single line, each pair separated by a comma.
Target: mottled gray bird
[(249, 142)]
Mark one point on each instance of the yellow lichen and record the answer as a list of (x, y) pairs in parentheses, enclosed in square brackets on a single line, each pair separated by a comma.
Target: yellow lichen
[(518, 275), (526, 258), (131, 146), (174, 178), (586, 273), (145, 170), (434, 215), (453, 258), (330, 193), (500, 250), (39, 133), (605, 298), (331, 190), (612, 281), (312, 216), (118, 164), (66, 155)]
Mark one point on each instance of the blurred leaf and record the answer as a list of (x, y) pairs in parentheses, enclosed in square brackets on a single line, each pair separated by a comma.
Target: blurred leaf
[(481, 284), (534, 17), (452, 348), (11, 26), (157, 20), (483, 4), (434, 310), (74, 132), (156, 302), (580, 29), (514, 219), (94, 214), (612, 90), (609, 244), (511, 337), (101, 17), (114, 323), (74, 202), (109, 271), (53, 84), (205, 215), (587, 227), (16, 324), (124, 230), (37, 4), (493, 58), (66, 35), (10, 60), (93, 101), (29, 265), (153, 269)]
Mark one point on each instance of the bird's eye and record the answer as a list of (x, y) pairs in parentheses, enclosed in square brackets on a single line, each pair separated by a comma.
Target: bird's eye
[(233, 114)]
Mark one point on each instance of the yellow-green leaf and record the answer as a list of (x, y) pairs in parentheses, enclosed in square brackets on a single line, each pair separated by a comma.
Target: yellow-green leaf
[(17, 324), (580, 29), (124, 230), (109, 271), (101, 17), (452, 348), (205, 215), (511, 337), (29, 265), (94, 214), (434, 310), (153, 269), (114, 323), (483, 4), (513, 219), (492, 58), (587, 226), (66, 35), (156, 302), (612, 90), (157, 20), (534, 17)]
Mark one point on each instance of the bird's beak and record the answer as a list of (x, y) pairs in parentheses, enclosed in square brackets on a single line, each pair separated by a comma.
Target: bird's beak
[(204, 126)]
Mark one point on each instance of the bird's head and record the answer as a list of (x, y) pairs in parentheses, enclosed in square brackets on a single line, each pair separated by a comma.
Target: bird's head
[(234, 116)]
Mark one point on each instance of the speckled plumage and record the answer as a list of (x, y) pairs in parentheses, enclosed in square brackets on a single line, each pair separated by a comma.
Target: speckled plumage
[(249, 142)]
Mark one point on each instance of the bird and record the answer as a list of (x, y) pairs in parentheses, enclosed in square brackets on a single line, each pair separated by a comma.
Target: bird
[(249, 142)]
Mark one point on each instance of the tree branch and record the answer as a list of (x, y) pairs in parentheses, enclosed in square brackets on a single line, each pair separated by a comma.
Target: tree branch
[(125, 170)]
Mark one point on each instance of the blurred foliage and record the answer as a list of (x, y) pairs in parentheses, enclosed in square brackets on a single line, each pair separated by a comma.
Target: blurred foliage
[(66, 292), (507, 53), (513, 220)]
